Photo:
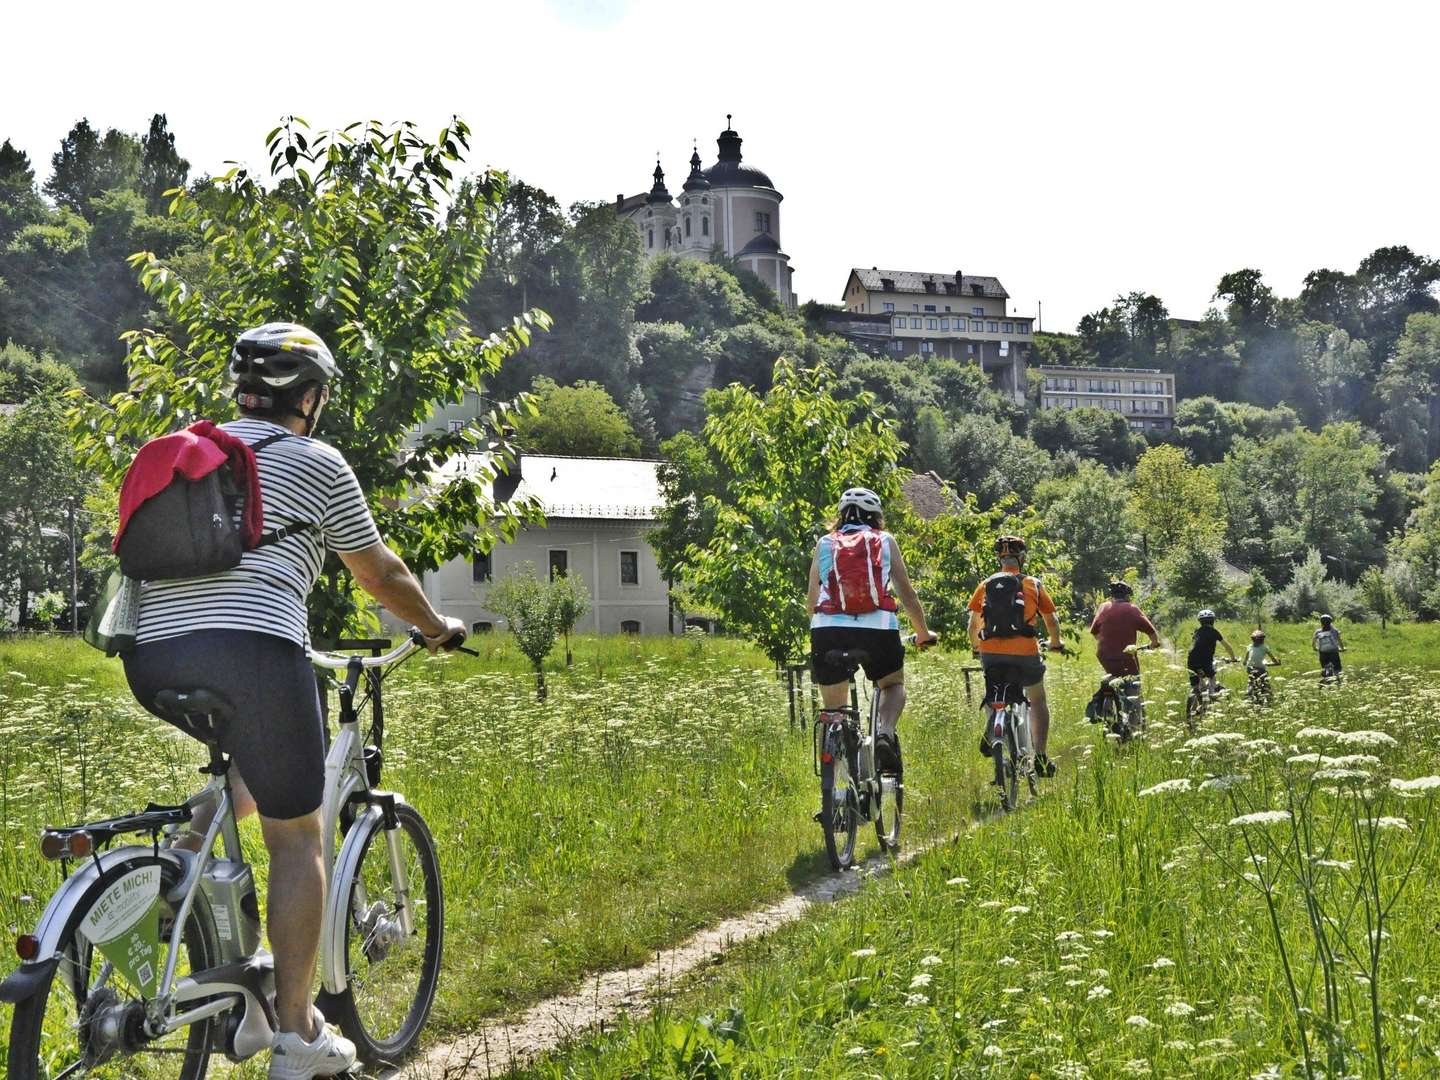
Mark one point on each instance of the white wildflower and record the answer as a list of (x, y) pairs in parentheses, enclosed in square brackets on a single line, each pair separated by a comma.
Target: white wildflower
[(1097, 991), (1068, 935), (921, 980), (1166, 787), (1017, 909), (1421, 785), (1341, 774), (958, 881), (863, 952), (1222, 783), (916, 999), (1180, 1045), (857, 1051), (1179, 1010), (1102, 933), (1215, 741), (1317, 733), (1304, 759), (1388, 823), (1336, 864), (1162, 962), (1372, 739), (1007, 961), (1137, 1021), (931, 961), (993, 1051), (991, 1025), (1012, 990), (993, 903), (1262, 817)]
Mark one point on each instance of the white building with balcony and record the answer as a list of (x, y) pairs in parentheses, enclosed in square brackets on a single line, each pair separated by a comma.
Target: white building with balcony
[(1144, 396), (959, 316)]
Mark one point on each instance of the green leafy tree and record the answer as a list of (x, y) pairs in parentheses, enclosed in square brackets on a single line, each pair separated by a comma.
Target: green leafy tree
[(1335, 368), (87, 165), (747, 499), (607, 275), (581, 420), (1097, 434), (1392, 284), (572, 603), (1414, 375), (20, 203), (1089, 514), (1257, 595), (1176, 504), (529, 606), (161, 166), (367, 236), (675, 370), (1378, 593), (704, 296), (642, 421), (985, 457)]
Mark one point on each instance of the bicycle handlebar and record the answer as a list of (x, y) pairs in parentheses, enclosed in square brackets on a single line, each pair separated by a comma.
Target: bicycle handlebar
[(414, 639)]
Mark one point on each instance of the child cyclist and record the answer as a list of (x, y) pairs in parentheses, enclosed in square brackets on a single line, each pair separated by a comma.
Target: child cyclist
[(1329, 647), (1200, 661), (1258, 657)]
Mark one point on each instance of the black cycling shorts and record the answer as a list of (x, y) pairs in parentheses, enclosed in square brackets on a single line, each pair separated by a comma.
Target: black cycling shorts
[(276, 737), (1331, 658), (884, 650)]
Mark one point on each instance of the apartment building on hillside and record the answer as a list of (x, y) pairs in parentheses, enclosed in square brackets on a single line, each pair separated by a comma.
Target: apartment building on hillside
[(959, 316), (1144, 396)]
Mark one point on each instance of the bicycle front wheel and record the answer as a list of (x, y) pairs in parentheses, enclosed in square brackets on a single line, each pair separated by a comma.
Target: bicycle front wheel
[(392, 971), (889, 803), (86, 1020), (838, 818)]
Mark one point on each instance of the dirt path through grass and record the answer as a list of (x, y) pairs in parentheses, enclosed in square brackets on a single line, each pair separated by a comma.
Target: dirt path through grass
[(501, 1046)]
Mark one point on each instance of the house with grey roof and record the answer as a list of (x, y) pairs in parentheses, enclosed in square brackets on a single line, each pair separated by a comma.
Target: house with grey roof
[(956, 315), (597, 514)]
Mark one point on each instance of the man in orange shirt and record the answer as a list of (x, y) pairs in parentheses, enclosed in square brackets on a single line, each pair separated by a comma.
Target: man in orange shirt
[(1002, 632)]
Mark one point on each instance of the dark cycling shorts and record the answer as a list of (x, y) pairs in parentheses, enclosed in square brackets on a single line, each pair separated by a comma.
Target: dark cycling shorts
[(1029, 669), (1124, 664), (276, 737), (1331, 658), (886, 652), (1199, 668)]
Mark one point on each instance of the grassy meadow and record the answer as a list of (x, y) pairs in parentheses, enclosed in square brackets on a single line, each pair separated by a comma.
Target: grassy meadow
[(1100, 931), (1255, 900)]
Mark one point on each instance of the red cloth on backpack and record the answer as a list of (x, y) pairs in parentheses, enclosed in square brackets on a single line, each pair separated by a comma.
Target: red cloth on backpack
[(195, 452)]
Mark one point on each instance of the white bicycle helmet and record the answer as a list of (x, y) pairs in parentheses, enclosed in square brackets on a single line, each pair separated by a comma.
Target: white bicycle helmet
[(280, 354), (864, 498), (1206, 615)]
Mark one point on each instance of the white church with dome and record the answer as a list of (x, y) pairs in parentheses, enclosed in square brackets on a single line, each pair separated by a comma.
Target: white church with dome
[(730, 208)]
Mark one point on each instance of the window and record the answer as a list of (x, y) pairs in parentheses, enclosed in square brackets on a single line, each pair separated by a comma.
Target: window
[(914, 324), (897, 346), (947, 307), (630, 626), (704, 226), (929, 307), (1008, 328), (977, 311), (762, 222), (927, 346), (970, 348), (482, 567), (559, 563), (900, 323), (976, 326), (687, 224), (650, 238), (1022, 327), (456, 425), (481, 627), (914, 307), (930, 324), (888, 307), (944, 324), (629, 568)]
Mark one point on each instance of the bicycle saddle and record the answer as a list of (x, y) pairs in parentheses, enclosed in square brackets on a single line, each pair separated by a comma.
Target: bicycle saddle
[(1004, 683), (196, 712)]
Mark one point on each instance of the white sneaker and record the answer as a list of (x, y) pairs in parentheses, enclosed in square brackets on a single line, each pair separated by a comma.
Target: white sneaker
[(292, 1058)]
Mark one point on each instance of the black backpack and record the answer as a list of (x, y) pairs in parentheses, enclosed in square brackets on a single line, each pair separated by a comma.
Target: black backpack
[(1004, 611), (191, 528)]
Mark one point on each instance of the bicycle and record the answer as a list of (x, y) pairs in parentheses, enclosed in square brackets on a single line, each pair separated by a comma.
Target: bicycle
[(1008, 735), (1119, 706), (851, 789), (93, 988), (1258, 689), (1203, 694), (1330, 672)]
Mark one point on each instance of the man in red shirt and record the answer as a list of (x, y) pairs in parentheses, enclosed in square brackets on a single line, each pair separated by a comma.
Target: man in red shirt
[(1116, 627)]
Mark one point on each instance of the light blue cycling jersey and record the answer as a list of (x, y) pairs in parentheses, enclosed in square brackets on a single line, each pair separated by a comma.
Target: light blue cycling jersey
[(871, 620)]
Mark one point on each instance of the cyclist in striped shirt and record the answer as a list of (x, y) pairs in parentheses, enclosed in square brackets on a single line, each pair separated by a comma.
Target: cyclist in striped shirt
[(242, 634)]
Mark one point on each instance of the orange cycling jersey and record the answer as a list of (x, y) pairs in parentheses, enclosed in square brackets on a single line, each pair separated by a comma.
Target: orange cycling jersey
[(1037, 602)]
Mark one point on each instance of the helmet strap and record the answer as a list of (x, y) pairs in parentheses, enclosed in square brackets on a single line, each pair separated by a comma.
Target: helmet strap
[(248, 399)]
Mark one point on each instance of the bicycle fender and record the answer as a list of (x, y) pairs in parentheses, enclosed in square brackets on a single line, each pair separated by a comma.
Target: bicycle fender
[(333, 976), (23, 984), (67, 906)]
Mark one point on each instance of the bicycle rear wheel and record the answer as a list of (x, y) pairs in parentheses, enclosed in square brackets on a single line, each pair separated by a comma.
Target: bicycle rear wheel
[(391, 976), (839, 820), (84, 1021), (888, 806)]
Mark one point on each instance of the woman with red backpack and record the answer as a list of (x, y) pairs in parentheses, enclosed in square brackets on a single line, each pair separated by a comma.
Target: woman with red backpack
[(852, 607)]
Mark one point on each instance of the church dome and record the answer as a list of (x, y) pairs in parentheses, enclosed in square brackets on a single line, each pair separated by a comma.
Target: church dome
[(728, 171), (658, 196), (696, 180)]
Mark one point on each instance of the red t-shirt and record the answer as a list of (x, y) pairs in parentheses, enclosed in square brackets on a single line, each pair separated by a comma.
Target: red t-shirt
[(1118, 624)]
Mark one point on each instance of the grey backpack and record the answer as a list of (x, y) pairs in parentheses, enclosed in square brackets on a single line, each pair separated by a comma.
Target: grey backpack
[(191, 528)]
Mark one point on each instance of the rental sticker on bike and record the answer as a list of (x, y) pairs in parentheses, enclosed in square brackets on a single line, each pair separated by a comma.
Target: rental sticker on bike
[(124, 924)]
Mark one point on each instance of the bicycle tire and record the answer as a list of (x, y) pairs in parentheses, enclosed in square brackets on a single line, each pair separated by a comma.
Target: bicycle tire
[(31, 1036), (1194, 709), (369, 966), (887, 818), (1012, 744), (839, 821)]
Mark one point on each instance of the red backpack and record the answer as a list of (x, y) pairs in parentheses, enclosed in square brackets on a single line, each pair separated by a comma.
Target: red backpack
[(857, 579)]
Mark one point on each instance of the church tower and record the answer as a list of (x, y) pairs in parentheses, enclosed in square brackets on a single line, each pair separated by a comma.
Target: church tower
[(657, 224), (697, 232)]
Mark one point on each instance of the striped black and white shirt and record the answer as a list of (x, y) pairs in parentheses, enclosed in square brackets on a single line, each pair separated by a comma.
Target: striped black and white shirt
[(300, 480)]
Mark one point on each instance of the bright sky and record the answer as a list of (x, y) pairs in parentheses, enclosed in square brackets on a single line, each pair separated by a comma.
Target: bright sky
[(1075, 150)]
